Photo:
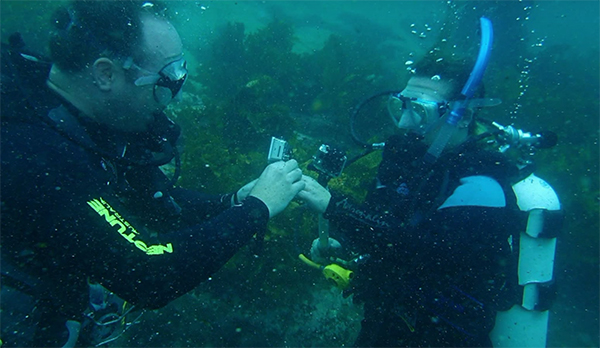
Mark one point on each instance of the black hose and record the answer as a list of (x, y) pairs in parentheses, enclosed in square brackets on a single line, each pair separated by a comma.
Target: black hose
[(357, 110)]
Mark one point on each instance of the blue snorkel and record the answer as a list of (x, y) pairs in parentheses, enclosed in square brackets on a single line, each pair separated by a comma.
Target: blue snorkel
[(448, 128)]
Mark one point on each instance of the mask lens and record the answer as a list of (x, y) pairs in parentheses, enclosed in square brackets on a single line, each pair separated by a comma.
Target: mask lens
[(407, 113), (171, 81), (395, 107), (419, 110)]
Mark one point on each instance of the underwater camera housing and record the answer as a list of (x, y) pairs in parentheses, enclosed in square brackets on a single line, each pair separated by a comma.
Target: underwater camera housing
[(280, 150), (329, 161)]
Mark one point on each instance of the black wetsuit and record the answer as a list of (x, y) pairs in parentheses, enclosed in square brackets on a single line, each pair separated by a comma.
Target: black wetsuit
[(435, 277), (73, 212)]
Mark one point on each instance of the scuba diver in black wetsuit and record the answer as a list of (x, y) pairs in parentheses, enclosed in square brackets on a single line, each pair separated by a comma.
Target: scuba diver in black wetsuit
[(92, 230), (446, 233)]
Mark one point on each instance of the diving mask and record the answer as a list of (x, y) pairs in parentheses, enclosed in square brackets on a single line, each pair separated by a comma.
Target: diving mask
[(420, 115), (168, 82), (415, 114)]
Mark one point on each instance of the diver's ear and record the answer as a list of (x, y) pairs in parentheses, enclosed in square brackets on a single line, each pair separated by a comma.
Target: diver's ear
[(104, 72)]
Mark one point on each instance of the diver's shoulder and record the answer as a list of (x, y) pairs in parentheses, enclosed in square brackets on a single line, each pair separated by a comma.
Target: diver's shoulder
[(533, 192), (38, 144), (30, 135), (481, 161)]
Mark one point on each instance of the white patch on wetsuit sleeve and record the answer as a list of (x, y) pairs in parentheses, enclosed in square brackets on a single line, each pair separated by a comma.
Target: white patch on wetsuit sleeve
[(535, 193), (478, 191)]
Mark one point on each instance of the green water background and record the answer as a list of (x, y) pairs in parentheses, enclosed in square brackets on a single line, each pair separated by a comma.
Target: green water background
[(296, 68)]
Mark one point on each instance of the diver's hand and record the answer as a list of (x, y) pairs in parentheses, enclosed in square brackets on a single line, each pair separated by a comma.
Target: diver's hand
[(316, 196), (278, 185), (321, 253), (243, 192)]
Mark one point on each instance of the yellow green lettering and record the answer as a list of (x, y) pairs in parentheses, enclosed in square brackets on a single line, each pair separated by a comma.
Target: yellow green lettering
[(102, 208)]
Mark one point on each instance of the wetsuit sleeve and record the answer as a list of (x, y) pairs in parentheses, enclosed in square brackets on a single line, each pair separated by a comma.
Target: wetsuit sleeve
[(198, 206), (341, 209), (185, 257), (57, 204)]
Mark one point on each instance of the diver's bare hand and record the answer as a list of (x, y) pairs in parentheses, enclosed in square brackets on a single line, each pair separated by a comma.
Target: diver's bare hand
[(278, 185), (316, 196)]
